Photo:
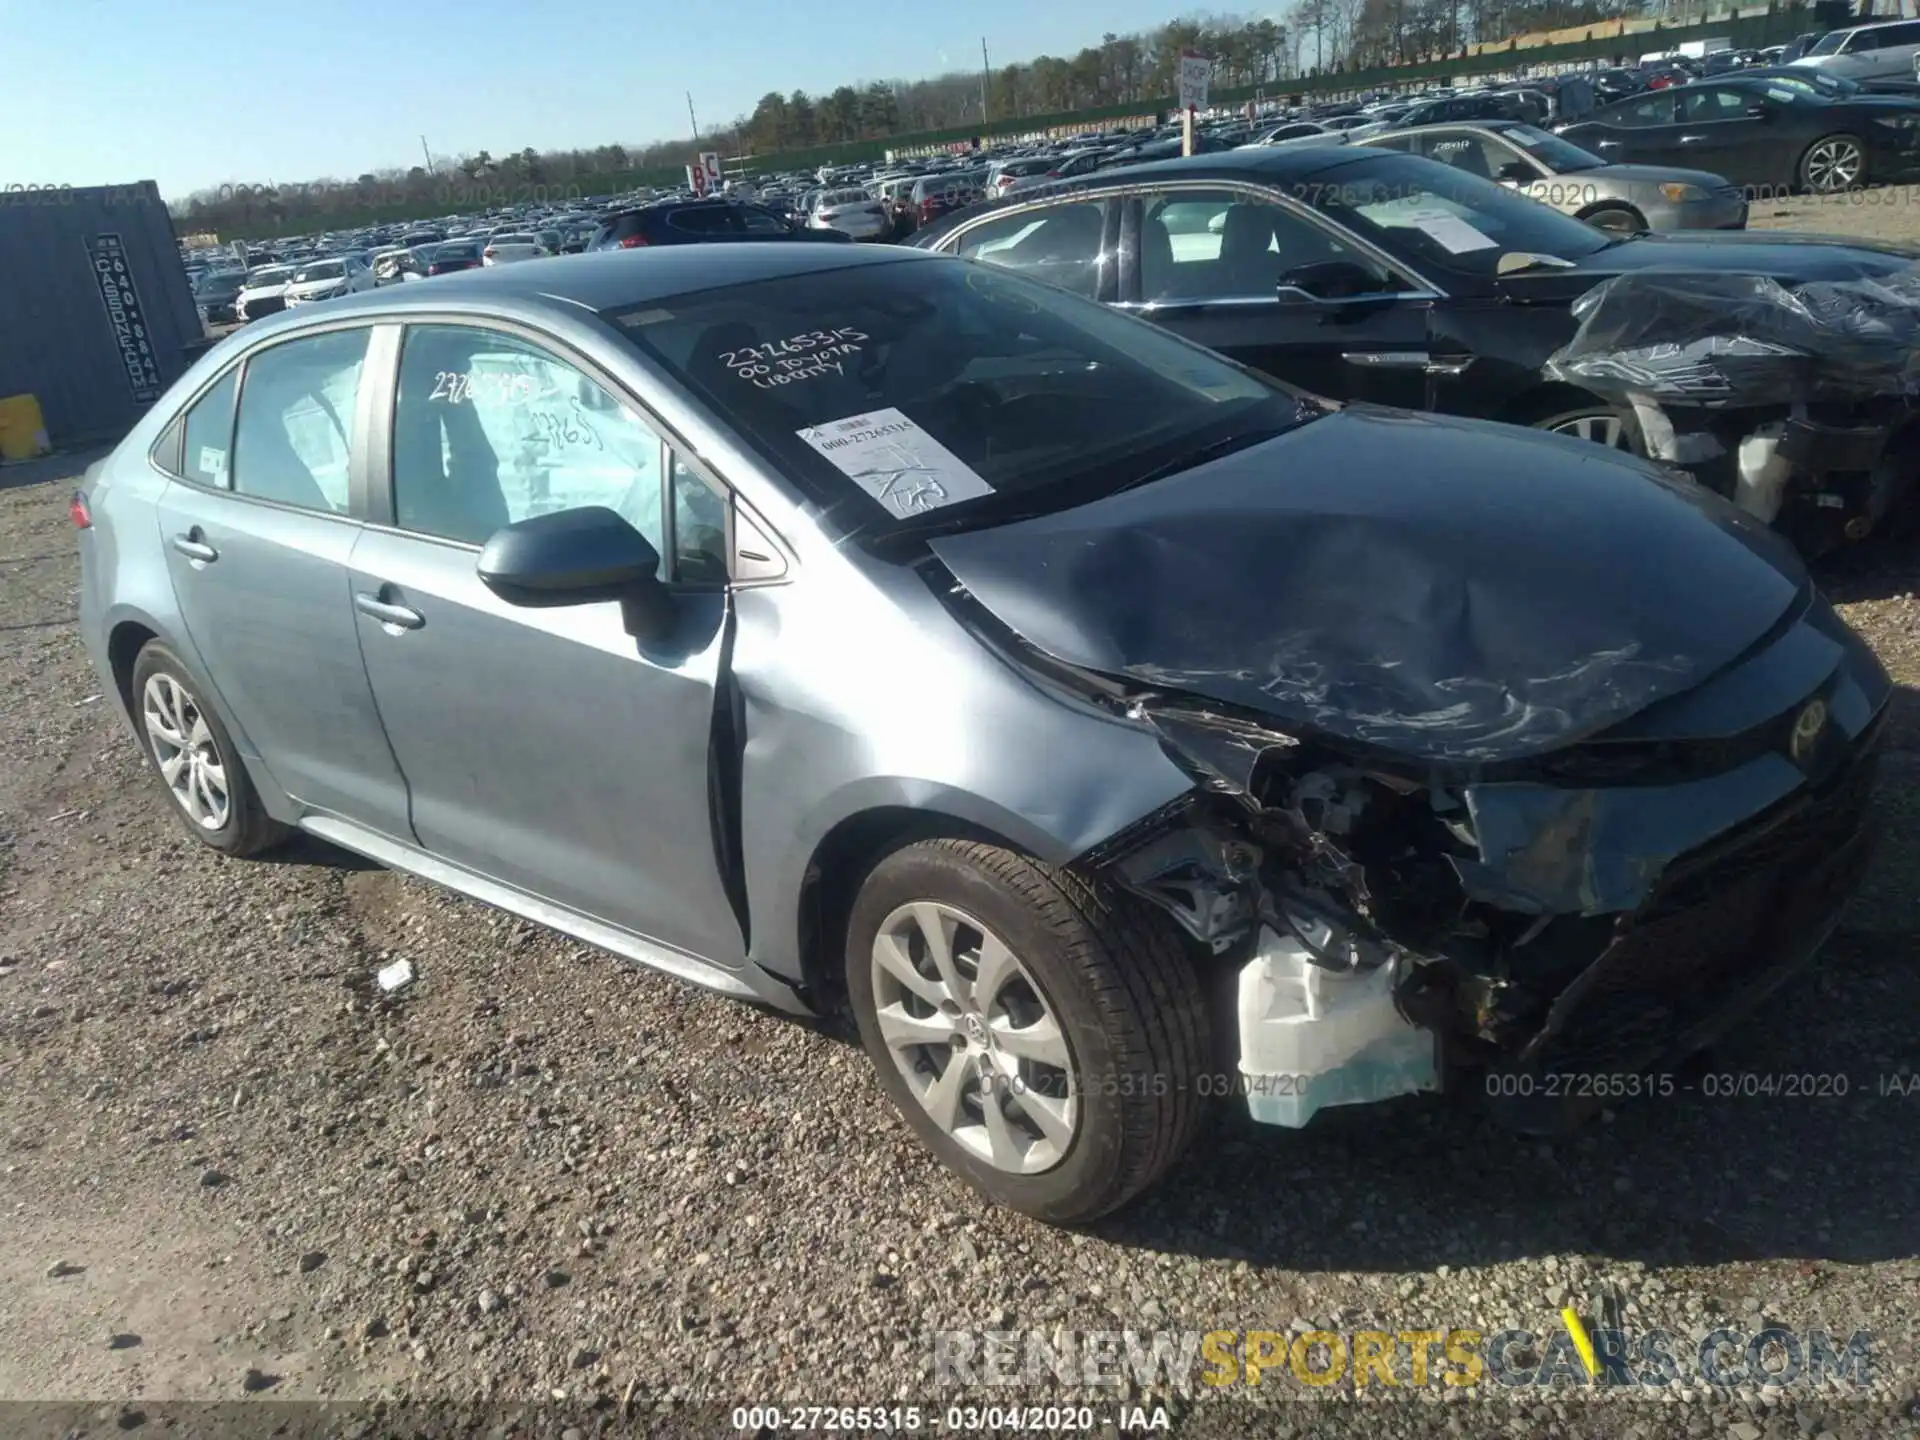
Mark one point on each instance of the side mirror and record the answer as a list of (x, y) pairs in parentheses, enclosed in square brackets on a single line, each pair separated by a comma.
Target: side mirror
[(1517, 172), (578, 557)]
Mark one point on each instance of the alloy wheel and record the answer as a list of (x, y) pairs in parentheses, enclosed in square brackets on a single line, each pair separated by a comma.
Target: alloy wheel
[(975, 1038), (1832, 165), (185, 751), (1603, 428)]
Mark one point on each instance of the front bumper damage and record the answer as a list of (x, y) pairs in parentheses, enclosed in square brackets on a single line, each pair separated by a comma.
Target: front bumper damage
[(1377, 932), (1515, 757), (1800, 405)]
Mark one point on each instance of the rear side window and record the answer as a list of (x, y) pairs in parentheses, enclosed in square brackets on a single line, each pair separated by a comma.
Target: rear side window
[(208, 430), (762, 222), (294, 432), (707, 220)]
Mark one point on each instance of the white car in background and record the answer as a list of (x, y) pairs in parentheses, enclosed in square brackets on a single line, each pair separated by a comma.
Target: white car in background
[(328, 279), (514, 245), (852, 212), (263, 294)]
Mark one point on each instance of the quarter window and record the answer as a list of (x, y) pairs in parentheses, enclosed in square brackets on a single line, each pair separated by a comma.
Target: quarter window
[(489, 430), (294, 434), (1060, 245), (209, 434)]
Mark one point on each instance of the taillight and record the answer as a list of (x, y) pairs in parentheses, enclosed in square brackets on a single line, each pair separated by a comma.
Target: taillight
[(1053, 175), (78, 513), (633, 242)]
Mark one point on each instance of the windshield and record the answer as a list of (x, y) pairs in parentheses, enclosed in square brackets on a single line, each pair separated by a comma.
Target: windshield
[(325, 270), (272, 275), (942, 393), (1829, 43), (1556, 154), (456, 250), (223, 282), (845, 197), (1437, 215)]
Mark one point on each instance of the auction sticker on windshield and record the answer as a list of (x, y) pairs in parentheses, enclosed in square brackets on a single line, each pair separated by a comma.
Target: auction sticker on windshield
[(1449, 231), (896, 462)]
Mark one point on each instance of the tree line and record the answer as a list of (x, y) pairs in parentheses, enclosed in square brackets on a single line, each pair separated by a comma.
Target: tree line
[(1315, 37)]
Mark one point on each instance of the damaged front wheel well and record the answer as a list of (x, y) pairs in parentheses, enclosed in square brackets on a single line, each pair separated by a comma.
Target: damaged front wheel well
[(841, 862)]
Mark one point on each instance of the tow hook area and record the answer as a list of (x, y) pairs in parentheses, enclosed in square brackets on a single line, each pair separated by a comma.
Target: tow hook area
[(1313, 1036)]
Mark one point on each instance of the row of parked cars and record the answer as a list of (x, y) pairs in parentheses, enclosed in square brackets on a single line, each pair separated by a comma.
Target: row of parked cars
[(1269, 747)]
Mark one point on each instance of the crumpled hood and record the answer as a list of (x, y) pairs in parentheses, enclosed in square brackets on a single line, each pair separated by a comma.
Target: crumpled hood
[(1443, 589)]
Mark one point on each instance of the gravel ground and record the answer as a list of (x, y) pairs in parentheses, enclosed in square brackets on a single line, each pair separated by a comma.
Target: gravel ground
[(231, 1167)]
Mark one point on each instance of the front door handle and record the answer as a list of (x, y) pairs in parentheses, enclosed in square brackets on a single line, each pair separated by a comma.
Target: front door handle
[(194, 548), (388, 613), (1387, 359)]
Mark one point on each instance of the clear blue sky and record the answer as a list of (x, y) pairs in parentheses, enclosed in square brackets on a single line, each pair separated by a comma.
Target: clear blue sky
[(202, 92)]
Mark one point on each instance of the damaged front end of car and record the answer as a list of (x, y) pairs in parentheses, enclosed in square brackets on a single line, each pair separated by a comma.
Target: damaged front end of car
[(1799, 404), (1559, 805), (1384, 928)]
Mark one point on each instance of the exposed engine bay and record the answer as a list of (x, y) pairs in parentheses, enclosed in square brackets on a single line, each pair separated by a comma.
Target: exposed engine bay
[(1375, 945)]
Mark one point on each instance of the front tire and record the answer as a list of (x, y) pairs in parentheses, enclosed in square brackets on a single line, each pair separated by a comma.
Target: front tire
[(206, 782), (1597, 423), (1042, 1034), (1833, 164)]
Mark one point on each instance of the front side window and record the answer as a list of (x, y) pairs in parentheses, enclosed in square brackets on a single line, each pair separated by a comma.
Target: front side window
[(1226, 244), (1477, 153), (489, 429), (704, 220), (886, 393), (293, 437), (1059, 244), (208, 434)]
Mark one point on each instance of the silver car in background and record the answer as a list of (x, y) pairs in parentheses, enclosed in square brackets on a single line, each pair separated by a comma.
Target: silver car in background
[(852, 212), (1627, 199)]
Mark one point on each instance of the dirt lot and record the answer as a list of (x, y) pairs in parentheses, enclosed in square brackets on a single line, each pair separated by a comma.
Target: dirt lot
[(229, 1166)]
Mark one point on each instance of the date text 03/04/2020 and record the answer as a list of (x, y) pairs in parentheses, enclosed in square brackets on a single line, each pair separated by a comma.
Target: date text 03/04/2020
[(957, 1419), (1223, 1084), (1712, 1085)]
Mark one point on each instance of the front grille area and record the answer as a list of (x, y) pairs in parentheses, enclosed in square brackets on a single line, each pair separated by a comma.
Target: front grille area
[(1720, 921)]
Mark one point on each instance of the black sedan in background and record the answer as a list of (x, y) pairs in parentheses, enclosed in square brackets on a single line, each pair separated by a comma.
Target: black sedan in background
[(1762, 132), (697, 222), (1371, 276)]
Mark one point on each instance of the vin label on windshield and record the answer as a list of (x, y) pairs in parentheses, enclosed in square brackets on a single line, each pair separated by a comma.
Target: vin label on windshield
[(896, 462)]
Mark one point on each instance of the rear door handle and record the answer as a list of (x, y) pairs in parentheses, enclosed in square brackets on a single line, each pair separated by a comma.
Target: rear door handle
[(194, 548), (387, 613)]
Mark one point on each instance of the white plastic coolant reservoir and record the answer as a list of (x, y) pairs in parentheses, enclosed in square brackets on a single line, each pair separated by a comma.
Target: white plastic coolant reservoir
[(1312, 1037)]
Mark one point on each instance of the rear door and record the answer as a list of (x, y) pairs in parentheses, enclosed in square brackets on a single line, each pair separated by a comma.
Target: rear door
[(258, 529), (1731, 130), (1266, 282), (1644, 130)]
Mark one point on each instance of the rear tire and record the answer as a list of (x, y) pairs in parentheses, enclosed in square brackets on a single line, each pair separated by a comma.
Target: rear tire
[(992, 959), (208, 788)]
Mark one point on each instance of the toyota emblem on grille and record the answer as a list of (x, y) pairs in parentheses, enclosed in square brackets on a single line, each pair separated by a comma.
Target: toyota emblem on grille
[(1807, 726)]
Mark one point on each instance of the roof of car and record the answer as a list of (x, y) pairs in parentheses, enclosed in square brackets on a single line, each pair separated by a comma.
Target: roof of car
[(607, 280)]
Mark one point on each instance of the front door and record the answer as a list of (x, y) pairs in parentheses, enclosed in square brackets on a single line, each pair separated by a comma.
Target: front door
[(257, 535), (1262, 283), (1720, 131), (544, 748)]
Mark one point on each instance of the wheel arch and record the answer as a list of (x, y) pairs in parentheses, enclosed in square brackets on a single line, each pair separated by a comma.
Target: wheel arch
[(1587, 212), (839, 864), (1546, 400)]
